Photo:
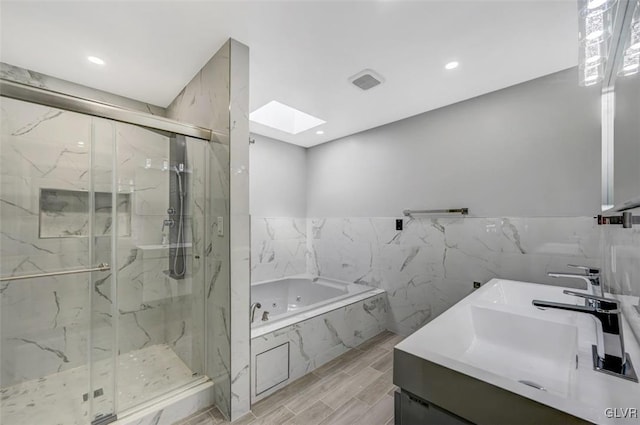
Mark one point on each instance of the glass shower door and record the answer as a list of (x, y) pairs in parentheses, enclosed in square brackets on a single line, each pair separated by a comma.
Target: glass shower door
[(50, 255), (160, 289), (101, 265)]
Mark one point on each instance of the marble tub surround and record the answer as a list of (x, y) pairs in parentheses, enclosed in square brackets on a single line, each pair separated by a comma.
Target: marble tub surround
[(278, 247), (354, 388), (308, 344), (330, 295), (433, 262)]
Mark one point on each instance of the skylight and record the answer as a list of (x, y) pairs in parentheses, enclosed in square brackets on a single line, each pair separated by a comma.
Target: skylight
[(284, 118)]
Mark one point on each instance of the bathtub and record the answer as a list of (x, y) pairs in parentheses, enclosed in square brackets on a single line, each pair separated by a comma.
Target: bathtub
[(310, 322), (290, 300)]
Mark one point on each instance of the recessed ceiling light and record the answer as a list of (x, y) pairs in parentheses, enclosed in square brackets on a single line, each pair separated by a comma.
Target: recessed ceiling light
[(284, 118), (451, 65), (95, 59), (319, 132)]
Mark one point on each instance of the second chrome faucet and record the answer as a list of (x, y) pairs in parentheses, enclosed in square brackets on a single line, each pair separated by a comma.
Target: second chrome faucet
[(591, 275), (609, 354)]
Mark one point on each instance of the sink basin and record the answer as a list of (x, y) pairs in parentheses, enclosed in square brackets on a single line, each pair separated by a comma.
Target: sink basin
[(496, 337), (511, 345)]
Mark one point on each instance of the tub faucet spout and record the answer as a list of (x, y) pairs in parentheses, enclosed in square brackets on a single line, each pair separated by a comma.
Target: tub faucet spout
[(253, 310)]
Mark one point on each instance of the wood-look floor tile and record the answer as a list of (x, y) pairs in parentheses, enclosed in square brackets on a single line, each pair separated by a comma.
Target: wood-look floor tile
[(376, 341), (350, 388), (379, 413), (338, 363), (391, 342), (367, 359), (315, 392), (282, 396), (384, 363), (347, 414), (377, 389), (274, 417), (247, 419), (312, 415), (216, 414), (202, 419), (356, 384)]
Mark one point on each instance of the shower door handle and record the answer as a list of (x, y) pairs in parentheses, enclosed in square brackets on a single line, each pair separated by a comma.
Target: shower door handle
[(102, 267)]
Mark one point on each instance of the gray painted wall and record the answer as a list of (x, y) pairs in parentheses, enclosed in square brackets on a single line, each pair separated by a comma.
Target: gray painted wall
[(278, 178), (528, 150)]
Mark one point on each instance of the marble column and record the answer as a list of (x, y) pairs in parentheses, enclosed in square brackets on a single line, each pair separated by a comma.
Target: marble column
[(217, 98)]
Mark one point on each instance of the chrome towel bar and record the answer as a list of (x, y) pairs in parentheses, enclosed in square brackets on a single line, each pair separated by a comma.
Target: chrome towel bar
[(463, 211), (102, 267)]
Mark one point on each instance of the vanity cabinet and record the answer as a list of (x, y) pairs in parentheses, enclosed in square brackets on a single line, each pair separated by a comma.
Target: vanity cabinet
[(433, 394), (412, 410)]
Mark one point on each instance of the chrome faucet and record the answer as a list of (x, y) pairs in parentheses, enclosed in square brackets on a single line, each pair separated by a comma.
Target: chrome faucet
[(253, 310), (265, 316), (611, 358), (591, 276)]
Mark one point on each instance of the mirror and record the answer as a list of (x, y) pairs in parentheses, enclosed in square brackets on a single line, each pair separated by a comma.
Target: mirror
[(621, 109), (626, 133)]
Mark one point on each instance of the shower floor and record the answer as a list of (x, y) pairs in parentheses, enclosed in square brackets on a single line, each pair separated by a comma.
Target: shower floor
[(58, 398)]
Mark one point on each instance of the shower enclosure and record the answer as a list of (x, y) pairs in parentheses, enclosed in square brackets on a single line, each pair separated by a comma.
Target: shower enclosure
[(101, 270)]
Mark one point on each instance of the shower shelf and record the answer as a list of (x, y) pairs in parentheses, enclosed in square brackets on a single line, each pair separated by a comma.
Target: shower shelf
[(166, 246)]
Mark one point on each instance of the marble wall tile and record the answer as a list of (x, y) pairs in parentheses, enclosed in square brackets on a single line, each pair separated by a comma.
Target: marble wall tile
[(278, 247), (45, 322), (239, 228), (318, 340), (217, 98), (217, 283), (433, 262)]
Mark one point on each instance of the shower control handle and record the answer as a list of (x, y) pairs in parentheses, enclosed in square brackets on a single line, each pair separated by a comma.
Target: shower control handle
[(171, 211), (168, 223)]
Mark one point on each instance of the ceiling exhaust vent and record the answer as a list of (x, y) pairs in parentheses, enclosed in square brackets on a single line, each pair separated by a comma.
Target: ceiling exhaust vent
[(366, 79)]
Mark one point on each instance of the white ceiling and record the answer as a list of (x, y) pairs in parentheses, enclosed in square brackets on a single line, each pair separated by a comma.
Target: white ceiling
[(302, 53)]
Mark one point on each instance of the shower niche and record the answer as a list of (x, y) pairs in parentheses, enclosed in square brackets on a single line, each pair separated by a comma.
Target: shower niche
[(63, 213)]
